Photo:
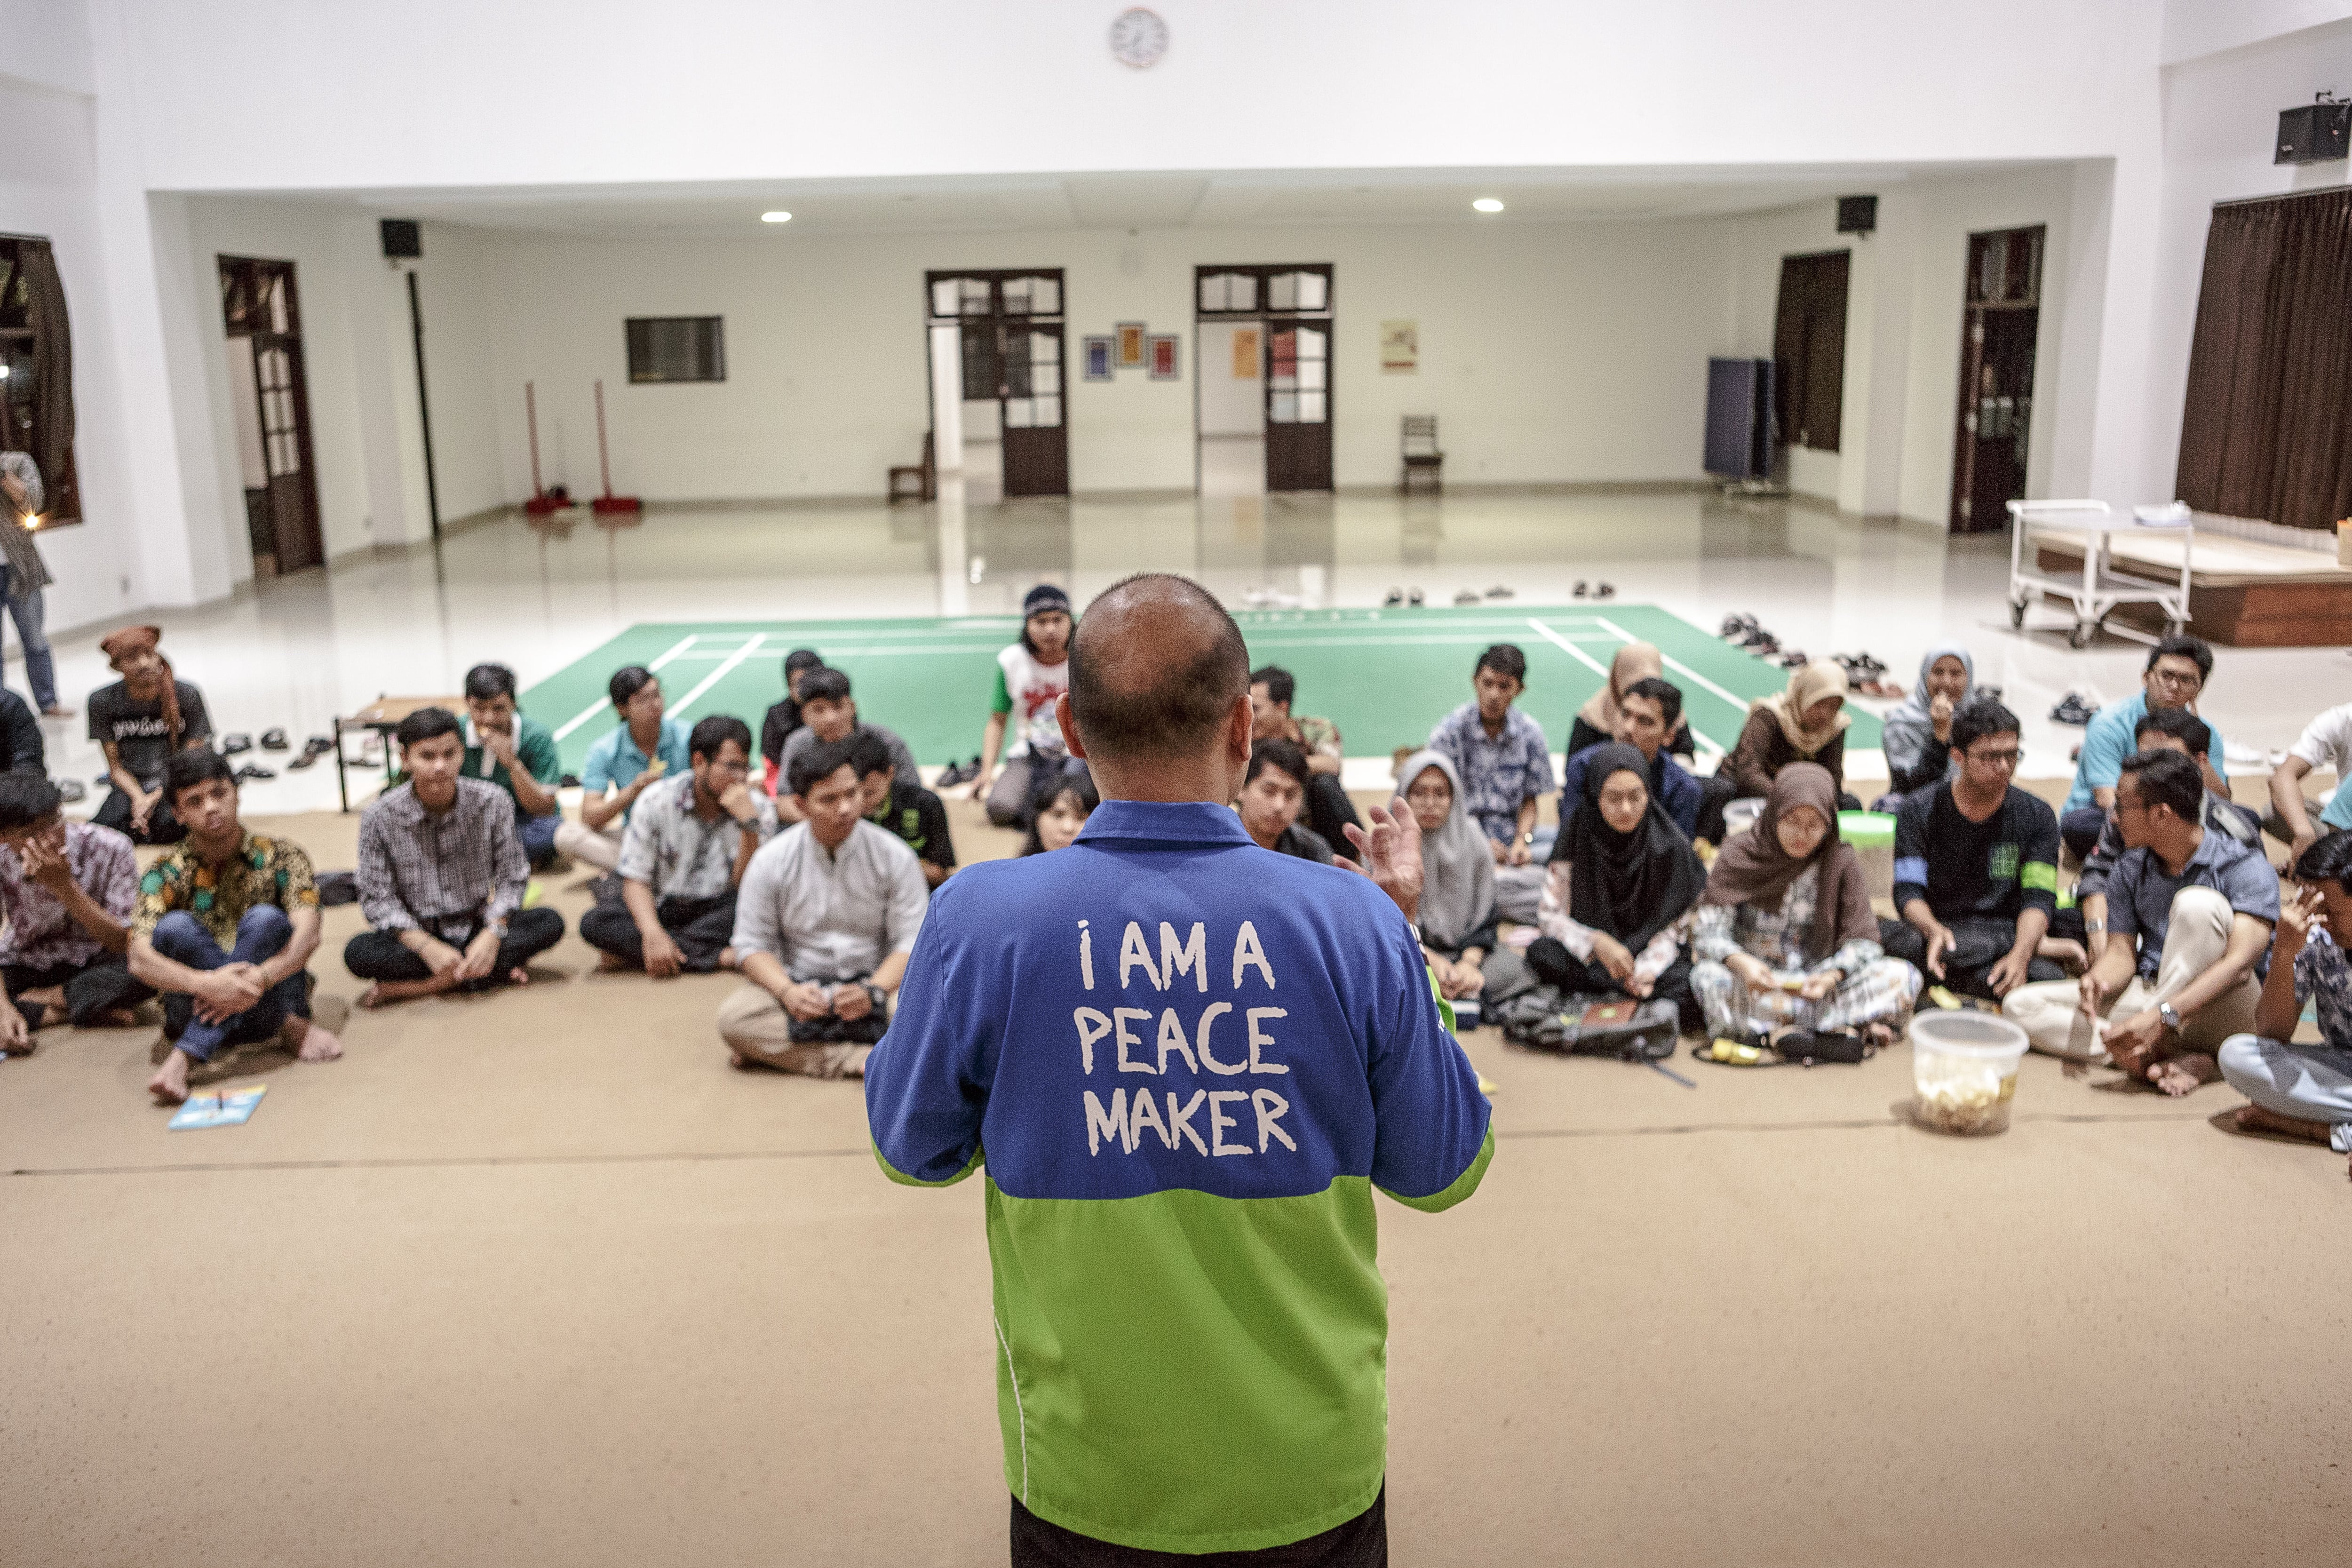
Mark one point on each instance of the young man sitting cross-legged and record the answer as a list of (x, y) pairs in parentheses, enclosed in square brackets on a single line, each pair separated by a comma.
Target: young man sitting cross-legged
[(224, 926), (689, 842), (441, 876), (2303, 1091), (2190, 913), (625, 763), (68, 887), (827, 914)]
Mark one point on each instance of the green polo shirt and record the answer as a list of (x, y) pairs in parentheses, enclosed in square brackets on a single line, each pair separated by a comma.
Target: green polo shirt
[(534, 745)]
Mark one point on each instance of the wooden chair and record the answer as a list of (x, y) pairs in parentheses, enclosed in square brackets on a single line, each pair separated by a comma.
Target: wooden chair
[(916, 481), (1421, 457)]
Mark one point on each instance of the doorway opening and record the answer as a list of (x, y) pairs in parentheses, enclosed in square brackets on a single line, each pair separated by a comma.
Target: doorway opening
[(271, 402), (2002, 314), (998, 412), (1262, 346)]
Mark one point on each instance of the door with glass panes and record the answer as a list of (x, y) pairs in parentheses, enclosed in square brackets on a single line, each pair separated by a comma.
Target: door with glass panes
[(1293, 301), (1010, 327)]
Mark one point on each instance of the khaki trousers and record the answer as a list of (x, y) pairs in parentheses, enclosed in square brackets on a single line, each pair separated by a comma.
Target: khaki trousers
[(756, 1028), (2194, 943), (600, 847)]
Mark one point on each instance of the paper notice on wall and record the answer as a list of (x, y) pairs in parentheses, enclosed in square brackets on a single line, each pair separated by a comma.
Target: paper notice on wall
[(1399, 348), (1245, 353)]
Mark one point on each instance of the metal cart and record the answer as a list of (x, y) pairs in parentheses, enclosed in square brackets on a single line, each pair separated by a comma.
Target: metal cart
[(2099, 590)]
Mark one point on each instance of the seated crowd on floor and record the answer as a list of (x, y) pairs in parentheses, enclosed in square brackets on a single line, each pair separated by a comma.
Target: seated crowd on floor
[(805, 868)]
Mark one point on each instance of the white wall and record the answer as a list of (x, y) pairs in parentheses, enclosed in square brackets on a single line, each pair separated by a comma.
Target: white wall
[(2194, 28)]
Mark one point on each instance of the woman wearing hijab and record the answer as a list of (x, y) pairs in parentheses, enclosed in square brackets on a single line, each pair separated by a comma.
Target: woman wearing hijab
[(1456, 918), (1919, 732), (1621, 879), (1805, 724), (139, 722), (1785, 936), (1599, 718)]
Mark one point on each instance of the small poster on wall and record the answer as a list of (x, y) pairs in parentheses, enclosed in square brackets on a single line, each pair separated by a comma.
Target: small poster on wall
[(1399, 348), (1163, 359), (1097, 358), (1130, 344), (1245, 353)]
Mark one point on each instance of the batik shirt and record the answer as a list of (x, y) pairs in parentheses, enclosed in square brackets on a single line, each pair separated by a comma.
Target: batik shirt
[(264, 871), (1498, 773), (41, 932), (679, 855)]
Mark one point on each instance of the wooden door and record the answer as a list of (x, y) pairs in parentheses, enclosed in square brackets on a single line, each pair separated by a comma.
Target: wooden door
[(1299, 405), (2001, 318), (1037, 441), (1009, 324), (260, 307)]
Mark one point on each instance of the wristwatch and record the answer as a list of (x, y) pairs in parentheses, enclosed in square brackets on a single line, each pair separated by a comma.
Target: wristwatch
[(2171, 1019)]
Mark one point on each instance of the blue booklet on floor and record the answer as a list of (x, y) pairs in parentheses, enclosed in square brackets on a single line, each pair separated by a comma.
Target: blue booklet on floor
[(228, 1107)]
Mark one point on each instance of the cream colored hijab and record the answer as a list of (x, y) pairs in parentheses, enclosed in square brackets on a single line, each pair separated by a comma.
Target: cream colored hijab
[(1807, 685), (1635, 661)]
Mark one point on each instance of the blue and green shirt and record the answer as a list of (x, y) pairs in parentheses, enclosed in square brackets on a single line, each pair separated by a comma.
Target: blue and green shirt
[(1185, 1063)]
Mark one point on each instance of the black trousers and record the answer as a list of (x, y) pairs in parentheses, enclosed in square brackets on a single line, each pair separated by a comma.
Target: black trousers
[(702, 927), (98, 986), (162, 827), (1554, 965), (1361, 1542), (1983, 944), (1328, 810), (380, 955)]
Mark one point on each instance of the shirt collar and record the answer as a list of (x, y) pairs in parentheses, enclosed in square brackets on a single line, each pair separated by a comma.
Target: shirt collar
[(1165, 821)]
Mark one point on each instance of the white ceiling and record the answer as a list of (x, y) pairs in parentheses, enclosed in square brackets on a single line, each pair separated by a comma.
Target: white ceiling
[(1047, 202)]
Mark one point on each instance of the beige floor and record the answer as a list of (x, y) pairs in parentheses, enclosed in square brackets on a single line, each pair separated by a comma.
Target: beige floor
[(536, 1277)]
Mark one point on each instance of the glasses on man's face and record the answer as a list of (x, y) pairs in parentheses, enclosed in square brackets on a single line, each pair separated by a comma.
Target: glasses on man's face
[(2176, 679), (2003, 759)]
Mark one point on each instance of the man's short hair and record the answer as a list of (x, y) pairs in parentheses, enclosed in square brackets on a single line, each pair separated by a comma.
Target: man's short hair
[(1975, 720), (487, 682), (823, 684), (425, 724), (2177, 722), (710, 736), (2329, 860), (869, 753), (626, 683), (2167, 778), (1503, 658), (184, 770), (1280, 686), (802, 659), (1665, 693), (26, 798), (2194, 648), (1279, 754), (821, 762), (1179, 709)]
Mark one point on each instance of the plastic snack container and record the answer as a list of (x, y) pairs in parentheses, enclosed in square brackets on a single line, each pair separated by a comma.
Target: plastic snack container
[(1872, 836), (1964, 1069)]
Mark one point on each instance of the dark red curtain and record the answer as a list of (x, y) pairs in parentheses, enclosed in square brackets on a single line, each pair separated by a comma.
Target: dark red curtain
[(2270, 369), (53, 409)]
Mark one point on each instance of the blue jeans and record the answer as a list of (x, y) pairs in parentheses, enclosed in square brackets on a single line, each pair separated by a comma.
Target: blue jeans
[(538, 835), (28, 612), (263, 934)]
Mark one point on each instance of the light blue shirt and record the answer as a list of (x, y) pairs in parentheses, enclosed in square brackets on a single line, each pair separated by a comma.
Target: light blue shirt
[(615, 761), (2109, 742)]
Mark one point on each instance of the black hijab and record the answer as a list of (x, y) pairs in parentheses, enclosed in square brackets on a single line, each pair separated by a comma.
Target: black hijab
[(1631, 885)]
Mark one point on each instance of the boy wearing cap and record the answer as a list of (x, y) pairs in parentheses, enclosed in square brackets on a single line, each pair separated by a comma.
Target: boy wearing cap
[(1031, 675), (140, 722)]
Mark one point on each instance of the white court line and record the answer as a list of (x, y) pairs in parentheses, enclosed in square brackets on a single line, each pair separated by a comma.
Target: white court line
[(601, 704), (1623, 637), (1741, 703), (716, 676)]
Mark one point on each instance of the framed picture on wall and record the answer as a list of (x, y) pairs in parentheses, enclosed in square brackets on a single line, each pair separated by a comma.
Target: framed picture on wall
[(1130, 344), (1098, 350), (1163, 358)]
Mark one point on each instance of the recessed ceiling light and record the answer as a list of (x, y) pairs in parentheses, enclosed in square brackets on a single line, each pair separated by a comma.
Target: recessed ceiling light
[(787, 218), (1487, 205)]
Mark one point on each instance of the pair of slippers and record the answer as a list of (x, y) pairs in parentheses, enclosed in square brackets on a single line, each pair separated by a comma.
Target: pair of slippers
[(314, 747), (1786, 1047), (239, 742)]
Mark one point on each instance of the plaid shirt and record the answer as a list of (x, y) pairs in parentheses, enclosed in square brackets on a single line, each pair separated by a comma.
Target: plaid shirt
[(445, 872), (263, 870), (1499, 774), (41, 933)]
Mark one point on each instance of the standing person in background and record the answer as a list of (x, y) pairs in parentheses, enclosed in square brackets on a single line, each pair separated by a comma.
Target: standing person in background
[(644, 748), (516, 753), (141, 722), (1919, 737), (2175, 675), (1505, 765), (2325, 743), (24, 574), (1329, 811), (1030, 676), (1601, 719), (784, 718)]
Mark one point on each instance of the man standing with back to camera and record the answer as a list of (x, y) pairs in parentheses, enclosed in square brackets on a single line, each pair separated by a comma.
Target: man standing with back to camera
[(1189, 1061)]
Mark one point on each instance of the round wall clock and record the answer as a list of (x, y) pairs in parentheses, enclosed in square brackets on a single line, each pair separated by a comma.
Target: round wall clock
[(1138, 36)]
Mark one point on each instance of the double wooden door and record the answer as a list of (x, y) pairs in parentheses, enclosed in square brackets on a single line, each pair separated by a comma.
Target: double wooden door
[(1292, 303), (1009, 324), (264, 318)]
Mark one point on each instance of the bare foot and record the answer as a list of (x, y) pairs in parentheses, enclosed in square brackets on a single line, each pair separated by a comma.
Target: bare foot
[(608, 962), (736, 1060), (170, 1084), (2254, 1120), (2179, 1075), (517, 976), (318, 1046)]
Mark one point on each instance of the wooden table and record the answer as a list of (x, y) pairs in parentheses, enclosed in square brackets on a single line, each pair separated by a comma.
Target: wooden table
[(384, 716)]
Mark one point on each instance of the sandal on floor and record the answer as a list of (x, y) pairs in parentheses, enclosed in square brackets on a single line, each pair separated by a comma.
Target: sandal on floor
[(72, 790), (275, 741), (236, 744), (254, 771)]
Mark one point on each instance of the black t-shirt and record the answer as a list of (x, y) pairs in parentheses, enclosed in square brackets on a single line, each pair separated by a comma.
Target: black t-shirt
[(141, 743), (20, 735), (1992, 869), (783, 719), (918, 817)]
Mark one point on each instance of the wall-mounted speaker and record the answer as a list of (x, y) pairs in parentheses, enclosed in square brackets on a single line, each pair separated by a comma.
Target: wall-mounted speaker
[(403, 239), (2317, 134), (1857, 215)]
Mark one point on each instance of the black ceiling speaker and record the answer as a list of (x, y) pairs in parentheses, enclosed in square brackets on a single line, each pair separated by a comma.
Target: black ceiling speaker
[(2319, 133), (1857, 215), (403, 239)]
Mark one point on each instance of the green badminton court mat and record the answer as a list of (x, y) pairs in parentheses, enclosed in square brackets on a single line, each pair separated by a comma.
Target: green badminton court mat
[(1384, 677)]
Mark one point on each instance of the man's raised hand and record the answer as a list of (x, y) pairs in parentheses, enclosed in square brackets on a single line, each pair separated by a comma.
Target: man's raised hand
[(1390, 854)]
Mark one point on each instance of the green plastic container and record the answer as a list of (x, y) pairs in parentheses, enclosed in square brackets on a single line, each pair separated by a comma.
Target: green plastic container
[(1866, 829)]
